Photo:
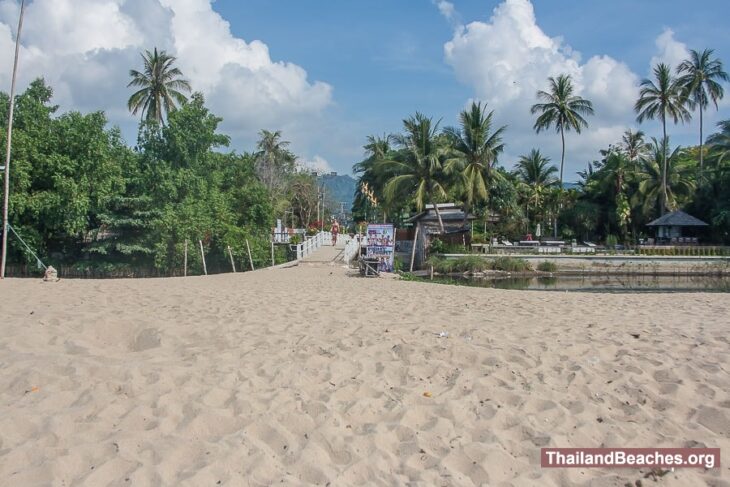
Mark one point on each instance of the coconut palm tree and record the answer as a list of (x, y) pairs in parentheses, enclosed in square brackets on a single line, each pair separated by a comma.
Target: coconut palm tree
[(665, 98), (699, 76), (659, 186), (562, 109), (537, 176), (633, 145), (373, 175), (160, 86), (535, 169), (418, 165), (720, 142), (273, 160), (475, 149)]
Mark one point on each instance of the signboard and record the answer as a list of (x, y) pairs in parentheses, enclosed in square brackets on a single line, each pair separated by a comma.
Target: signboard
[(381, 245)]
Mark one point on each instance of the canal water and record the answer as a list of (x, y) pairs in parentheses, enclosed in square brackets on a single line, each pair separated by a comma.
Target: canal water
[(680, 283)]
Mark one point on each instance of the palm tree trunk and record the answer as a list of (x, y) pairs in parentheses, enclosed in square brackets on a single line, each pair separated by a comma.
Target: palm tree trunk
[(701, 146), (664, 166), (560, 196), (562, 156)]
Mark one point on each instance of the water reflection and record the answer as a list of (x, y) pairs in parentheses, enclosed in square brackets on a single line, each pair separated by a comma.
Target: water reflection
[(600, 283)]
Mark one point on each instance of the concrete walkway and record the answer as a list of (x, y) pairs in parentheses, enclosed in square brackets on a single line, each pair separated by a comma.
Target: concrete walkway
[(325, 255)]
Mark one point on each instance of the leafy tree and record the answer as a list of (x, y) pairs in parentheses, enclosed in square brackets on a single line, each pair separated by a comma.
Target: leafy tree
[(699, 76), (418, 165), (274, 161), (475, 147), (537, 176), (665, 98), (663, 187), (161, 86), (634, 146), (720, 142), (561, 109)]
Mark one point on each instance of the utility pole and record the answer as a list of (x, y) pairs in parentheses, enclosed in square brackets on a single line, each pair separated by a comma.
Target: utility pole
[(6, 193)]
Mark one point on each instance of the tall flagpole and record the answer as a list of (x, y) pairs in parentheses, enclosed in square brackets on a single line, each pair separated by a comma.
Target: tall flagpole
[(6, 192)]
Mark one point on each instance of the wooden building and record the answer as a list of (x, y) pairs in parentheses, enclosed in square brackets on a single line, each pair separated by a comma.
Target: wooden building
[(457, 229)]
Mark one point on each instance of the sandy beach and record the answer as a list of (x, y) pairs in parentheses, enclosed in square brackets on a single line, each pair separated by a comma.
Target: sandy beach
[(308, 375)]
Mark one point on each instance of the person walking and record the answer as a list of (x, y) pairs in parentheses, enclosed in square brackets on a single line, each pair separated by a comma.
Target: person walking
[(335, 230)]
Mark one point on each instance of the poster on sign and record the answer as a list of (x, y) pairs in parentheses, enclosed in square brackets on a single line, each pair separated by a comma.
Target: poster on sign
[(381, 245)]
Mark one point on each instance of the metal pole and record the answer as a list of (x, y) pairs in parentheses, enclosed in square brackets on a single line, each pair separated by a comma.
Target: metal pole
[(6, 193)]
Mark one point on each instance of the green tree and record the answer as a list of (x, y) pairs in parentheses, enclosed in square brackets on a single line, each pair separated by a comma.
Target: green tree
[(161, 86), (633, 145), (700, 77), (561, 109), (537, 176), (418, 165), (665, 98), (475, 147), (720, 142), (667, 187), (274, 161)]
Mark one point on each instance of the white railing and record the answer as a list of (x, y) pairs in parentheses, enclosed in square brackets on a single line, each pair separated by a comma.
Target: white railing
[(311, 244), (352, 248)]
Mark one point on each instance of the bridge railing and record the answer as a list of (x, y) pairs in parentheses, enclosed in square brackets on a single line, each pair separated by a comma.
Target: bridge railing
[(312, 243)]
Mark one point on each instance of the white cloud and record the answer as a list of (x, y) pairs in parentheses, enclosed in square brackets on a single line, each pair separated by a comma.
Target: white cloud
[(446, 8), (317, 163), (509, 58), (85, 48), (669, 50)]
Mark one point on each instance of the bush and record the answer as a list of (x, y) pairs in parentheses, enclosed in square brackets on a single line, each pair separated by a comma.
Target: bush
[(547, 266), (471, 263), (511, 264), (437, 247)]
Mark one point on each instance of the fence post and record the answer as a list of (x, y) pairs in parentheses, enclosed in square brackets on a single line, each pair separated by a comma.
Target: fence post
[(230, 254), (185, 260), (202, 254), (273, 262), (250, 260)]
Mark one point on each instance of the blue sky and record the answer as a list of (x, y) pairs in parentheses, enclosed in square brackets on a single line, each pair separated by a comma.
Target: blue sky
[(329, 73), (385, 59)]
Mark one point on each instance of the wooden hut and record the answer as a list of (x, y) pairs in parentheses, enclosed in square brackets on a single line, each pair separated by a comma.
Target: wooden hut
[(426, 226)]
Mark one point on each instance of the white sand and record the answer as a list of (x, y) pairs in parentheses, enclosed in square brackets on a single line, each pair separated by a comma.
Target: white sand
[(308, 376)]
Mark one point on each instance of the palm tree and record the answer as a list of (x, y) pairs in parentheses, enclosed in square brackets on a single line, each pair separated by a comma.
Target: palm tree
[(160, 84), (273, 160), (373, 175), (699, 76), (720, 142), (662, 99), (633, 145), (562, 109), (659, 186), (535, 169), (613, 179), (418, 166), (475, 149), (537, 176)]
